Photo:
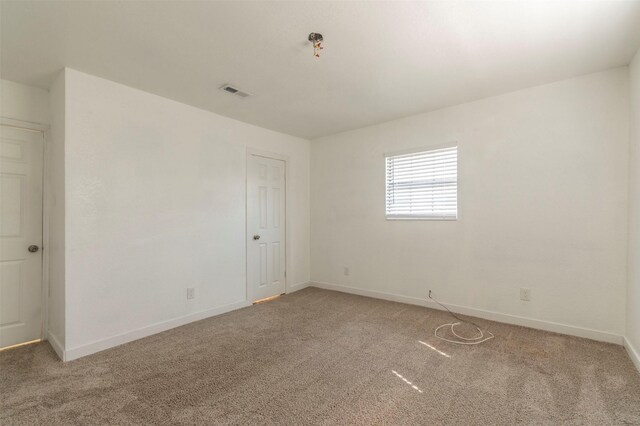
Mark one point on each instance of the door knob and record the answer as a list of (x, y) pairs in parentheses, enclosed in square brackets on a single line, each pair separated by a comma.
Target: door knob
[(256, 237), (33, 248)]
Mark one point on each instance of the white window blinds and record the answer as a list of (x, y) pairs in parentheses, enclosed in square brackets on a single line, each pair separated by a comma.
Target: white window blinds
[(423, 184)]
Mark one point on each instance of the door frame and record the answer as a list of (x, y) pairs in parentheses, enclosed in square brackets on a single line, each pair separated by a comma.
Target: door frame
[(287, 231), (44, 130)]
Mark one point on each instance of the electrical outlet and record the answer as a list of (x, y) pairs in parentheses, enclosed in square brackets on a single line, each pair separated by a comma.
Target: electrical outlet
[(191, 293), (525, 294), (346, 271)]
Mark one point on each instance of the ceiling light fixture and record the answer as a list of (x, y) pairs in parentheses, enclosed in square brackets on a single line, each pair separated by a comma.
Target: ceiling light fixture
[(316, 39)]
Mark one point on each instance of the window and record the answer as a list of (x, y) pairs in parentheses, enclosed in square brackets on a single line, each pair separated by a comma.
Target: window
[(423, 185)]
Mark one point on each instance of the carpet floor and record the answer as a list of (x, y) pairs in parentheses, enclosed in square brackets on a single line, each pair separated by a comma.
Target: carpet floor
[(323, 357)]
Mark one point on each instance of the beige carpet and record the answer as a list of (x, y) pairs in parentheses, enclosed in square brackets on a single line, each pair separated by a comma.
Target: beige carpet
[(322, 357)]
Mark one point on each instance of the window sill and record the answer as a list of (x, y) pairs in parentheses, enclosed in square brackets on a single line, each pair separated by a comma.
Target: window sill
[(447, 219)]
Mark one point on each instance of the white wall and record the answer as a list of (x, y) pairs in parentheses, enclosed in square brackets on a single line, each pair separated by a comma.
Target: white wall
[(633, 292), (24, 103), (155, 203), (542, 199), (56, 203)]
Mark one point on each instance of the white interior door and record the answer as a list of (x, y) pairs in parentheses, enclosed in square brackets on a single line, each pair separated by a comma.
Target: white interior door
[(20, 235), (265, 227)]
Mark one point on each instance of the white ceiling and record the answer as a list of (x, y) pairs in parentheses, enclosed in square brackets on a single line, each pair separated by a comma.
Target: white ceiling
[(382, 60)]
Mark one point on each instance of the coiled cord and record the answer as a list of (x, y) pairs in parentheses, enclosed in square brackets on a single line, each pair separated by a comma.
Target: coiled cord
[(476, 340)]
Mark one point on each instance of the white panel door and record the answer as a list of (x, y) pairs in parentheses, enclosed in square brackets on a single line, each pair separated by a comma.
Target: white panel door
[(20, 235), (265, 227)]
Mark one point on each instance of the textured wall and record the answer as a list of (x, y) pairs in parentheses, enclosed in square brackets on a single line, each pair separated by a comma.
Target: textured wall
[(155, 203), (542, 203)]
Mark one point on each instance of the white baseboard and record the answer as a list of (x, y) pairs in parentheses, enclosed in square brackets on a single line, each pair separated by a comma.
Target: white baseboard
[(58, 348), (633, 353), (110, 342), (587, 333), (298, 286)]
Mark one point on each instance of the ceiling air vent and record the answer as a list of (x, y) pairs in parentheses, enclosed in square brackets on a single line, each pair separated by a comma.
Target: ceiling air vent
[(234, 91)]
